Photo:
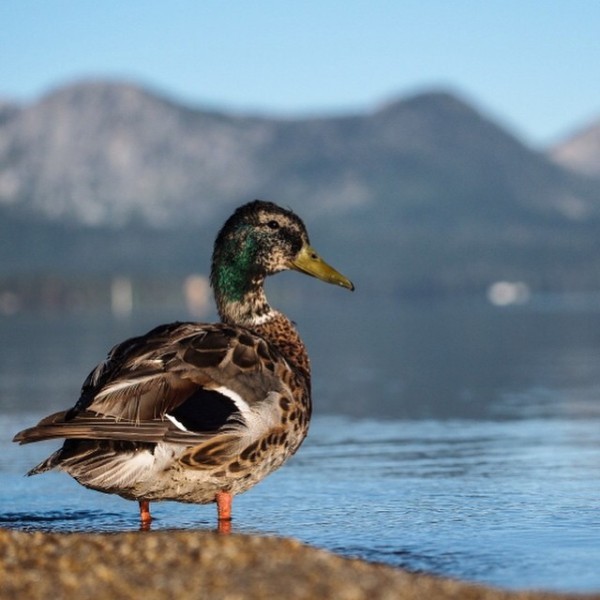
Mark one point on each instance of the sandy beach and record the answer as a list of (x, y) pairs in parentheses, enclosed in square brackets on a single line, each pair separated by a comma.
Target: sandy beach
[(180, 564)]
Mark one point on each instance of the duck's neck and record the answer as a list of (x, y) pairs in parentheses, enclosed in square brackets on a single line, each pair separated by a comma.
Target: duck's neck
[(280, 332), (247, 307), (242, 301)]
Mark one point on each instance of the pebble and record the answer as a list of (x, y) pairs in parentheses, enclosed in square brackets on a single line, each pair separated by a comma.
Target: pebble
[(205, 565)]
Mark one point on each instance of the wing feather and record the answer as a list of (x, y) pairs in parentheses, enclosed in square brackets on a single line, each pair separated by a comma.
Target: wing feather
[(211, 378)]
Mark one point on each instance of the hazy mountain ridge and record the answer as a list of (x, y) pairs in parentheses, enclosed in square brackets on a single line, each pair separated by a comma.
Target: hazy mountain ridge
[(103, 153), (581, 151), (425, 189)]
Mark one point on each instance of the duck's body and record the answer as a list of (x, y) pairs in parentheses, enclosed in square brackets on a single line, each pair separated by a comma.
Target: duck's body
[(200, 412), (181, 413)]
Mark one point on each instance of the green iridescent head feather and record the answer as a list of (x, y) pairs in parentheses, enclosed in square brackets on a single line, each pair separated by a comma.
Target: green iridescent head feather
[(258, 240)]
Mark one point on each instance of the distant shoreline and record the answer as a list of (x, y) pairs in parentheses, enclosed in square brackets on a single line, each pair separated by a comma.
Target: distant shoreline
[(192, 564)]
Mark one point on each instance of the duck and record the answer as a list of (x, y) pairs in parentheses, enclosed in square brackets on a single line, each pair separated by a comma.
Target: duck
[(200, 412)]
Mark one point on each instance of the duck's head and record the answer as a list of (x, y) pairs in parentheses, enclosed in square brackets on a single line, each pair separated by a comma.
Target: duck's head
[(261, 239)]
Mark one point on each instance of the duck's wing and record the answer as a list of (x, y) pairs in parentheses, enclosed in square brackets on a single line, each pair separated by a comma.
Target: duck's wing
[(182, 382)]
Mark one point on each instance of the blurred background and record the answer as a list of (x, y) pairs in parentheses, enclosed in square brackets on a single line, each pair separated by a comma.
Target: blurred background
[(445, 157), (433, 149)]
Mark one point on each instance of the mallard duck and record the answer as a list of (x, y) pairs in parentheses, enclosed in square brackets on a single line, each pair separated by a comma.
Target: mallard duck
[(198, 412)]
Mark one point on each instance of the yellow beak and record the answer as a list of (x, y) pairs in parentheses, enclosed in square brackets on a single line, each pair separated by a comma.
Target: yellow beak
[(310, 263)]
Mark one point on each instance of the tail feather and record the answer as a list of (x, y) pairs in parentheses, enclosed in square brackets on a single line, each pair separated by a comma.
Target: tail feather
[(44, 430), (90, 426), (47, 465)]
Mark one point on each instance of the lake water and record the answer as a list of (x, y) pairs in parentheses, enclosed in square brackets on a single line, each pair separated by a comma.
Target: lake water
[(454, 438)]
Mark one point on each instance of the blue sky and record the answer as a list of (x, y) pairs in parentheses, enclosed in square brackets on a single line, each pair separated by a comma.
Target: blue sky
[(533, 65)]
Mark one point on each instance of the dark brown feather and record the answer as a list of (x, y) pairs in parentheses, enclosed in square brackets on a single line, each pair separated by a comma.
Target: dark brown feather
[(130, 394)]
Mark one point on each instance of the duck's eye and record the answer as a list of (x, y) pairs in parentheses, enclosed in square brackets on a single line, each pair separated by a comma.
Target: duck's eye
[(273, 225)]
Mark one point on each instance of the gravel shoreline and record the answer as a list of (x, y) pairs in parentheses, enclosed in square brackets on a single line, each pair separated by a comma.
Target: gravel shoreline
[(181, 565)]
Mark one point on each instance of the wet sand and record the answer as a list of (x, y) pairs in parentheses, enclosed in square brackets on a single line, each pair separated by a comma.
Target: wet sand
[(205, 565)]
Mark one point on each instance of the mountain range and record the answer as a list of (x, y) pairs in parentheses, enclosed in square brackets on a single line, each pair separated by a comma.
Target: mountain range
[(421, 195)]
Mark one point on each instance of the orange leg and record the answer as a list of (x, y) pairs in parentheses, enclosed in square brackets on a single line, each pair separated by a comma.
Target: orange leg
[(145, 516), (224, 512)]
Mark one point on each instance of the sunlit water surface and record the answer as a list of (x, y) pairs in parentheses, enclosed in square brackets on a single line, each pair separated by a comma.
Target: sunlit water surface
[(457, 440)]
